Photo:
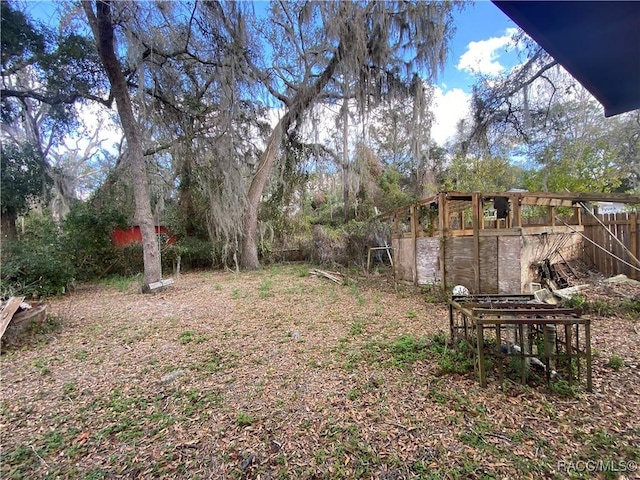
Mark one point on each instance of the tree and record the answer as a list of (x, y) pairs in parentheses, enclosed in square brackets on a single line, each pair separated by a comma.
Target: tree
[(311, 43), (23, 176), (103, 28), (45, 73), (540, 113)]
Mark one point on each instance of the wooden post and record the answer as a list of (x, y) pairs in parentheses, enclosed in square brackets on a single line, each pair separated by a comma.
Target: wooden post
[(443, 212), (414, 243), (587, 335), (480, 354), (476, 208), (517, 212), (633, 240)]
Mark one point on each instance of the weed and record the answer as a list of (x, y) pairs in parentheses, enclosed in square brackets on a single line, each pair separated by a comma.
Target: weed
[(265, 288), (407, 350), (121, 282), (186, 337), (616, 362), (69, 389), (217, 287), (352, 360), (564, 389), (576, 301), (42, 366), (82, 355), (356, 328), (411, 314), (434, 293), (244, 419), (631, 306), (601, 308), (353, 394)]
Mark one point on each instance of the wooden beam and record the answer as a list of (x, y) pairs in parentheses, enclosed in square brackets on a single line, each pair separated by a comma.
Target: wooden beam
[(8, 311), (477, 216), (633, 240), (442, 227)]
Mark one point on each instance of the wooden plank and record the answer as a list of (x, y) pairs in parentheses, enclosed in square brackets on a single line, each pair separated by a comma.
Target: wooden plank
[(477, 217), (8, 311), (633, 241), (159, 285), (414, 232), (509, 268), (488, 265), (442, 211)]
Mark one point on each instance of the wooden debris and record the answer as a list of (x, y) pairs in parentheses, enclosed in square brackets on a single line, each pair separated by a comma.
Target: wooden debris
[(159, 285), (8, 311), (335, 277), (17, 316)]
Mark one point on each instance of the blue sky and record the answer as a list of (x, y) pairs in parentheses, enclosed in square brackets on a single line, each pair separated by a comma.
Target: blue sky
[(480, 45)]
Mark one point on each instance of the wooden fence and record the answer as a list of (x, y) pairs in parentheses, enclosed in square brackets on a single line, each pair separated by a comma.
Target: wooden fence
[(625, 227)]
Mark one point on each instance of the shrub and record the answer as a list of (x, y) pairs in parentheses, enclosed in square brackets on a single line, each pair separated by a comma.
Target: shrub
[(87, 239), (37, 264)]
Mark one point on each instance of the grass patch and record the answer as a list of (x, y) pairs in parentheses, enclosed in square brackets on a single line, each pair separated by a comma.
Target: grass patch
[(244, 419), (616, 362)]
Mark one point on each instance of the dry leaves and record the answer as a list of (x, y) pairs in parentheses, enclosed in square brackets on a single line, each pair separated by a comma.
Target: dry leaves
[(282, 376)]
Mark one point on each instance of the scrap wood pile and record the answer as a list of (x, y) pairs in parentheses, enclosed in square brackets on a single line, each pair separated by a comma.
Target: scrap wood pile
[(16, 315), (335, 277)]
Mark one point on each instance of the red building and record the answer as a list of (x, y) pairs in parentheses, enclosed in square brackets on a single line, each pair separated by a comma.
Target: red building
[(122, 237)]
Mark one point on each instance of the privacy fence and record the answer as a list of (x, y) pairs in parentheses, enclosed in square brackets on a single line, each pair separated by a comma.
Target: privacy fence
[(612, 243)]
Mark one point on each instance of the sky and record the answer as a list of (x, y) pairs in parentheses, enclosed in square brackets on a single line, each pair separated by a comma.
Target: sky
[(481, 44)]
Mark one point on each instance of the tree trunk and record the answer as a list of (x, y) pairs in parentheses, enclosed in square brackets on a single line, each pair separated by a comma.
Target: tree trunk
[(8, 230), (301, 101), (345, 154), (103, 31), (250, 259)]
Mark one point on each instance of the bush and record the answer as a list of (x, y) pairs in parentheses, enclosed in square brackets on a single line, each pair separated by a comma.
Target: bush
[(87, 239), (193, 252), (37, 264)]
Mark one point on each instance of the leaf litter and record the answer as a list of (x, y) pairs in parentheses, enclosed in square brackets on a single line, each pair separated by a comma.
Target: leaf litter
[(278, 374)]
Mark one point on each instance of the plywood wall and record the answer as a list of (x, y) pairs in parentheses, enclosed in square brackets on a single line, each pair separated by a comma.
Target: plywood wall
[(403, 258), (509, 266), (427, 262)]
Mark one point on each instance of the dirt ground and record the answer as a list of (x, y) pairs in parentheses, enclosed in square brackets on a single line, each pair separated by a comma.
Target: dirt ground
[(278, 374)]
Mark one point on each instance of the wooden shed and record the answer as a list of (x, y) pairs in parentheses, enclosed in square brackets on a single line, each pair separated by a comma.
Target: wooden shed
[(495, 243)]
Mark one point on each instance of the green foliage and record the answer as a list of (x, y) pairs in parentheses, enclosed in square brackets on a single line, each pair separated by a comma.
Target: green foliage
[(37, 263), (407, 350), (616, 362), (244, 419), (631, 307), (22, 175), (481, 173), (576, 167), (87, 239), (393, 195), (451, 360), (564, 389), (576, 301), (193, 252)]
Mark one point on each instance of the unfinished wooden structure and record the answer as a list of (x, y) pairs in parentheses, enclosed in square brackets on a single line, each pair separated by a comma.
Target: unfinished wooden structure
[(494, 243), (521, 336)]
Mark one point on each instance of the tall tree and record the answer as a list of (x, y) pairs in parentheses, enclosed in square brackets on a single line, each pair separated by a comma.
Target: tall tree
[(44, 73), (311, 43), (99, 15)]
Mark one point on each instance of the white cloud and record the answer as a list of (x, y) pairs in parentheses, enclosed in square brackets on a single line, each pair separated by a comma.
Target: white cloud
[(449, 107), (482, 56)]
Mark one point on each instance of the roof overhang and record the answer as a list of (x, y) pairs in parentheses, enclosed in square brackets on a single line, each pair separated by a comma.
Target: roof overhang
[(597, 42)]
